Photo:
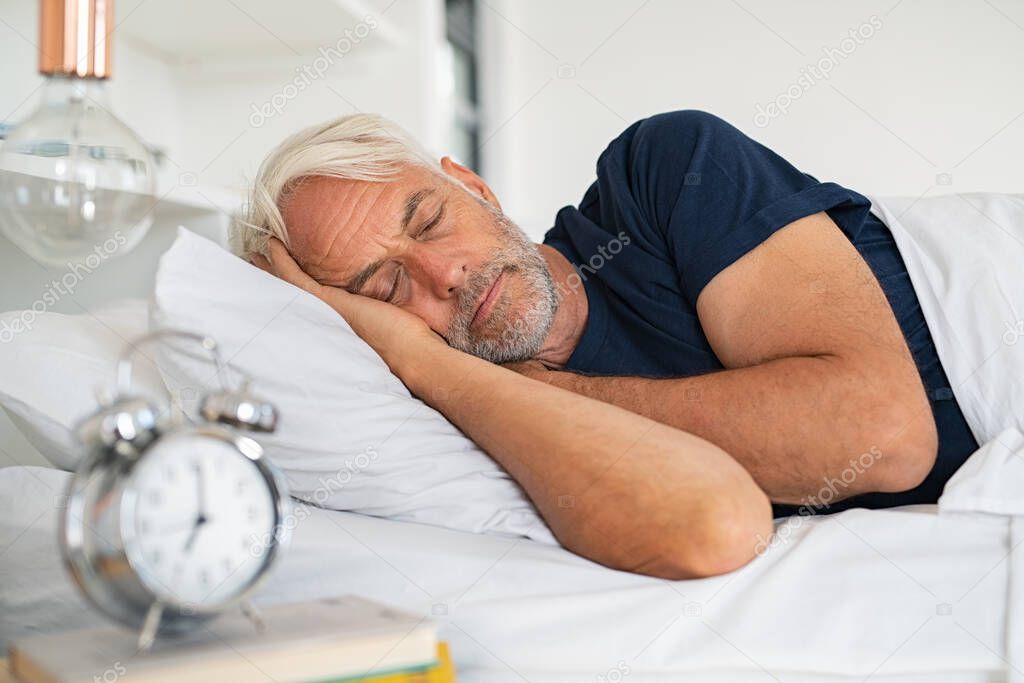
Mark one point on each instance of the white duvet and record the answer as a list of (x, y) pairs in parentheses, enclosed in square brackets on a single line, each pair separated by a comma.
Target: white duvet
[(964, 254), (895, 595)]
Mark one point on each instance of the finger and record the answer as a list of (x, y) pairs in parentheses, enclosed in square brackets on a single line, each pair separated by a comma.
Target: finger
[(261, 262), (285, 267)]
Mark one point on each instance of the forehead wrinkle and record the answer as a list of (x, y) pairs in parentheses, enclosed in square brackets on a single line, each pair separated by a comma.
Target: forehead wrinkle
[(341, 213), (303, 218), (345, 213), (367, 272), (338, 222)]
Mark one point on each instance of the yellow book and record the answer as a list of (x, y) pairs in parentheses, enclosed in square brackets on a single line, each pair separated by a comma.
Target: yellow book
[(331, 639), (442, 672)]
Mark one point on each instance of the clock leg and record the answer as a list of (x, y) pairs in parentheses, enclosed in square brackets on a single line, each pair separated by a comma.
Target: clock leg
[(150, 626), (253, 615)]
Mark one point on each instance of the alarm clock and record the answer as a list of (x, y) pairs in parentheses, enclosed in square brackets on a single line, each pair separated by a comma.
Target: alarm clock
[(168, 521)]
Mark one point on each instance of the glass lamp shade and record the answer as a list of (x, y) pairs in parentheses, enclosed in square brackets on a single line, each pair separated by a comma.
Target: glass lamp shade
[(74, 178)]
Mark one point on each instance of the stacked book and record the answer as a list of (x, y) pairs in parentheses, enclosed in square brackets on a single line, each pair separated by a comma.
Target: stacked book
[(335, 640)]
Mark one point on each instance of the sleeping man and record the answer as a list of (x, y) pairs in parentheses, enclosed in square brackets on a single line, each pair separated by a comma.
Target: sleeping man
[(709, 338)]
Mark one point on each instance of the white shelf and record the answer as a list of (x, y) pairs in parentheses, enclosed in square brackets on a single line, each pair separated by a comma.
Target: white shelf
[(229, 34)]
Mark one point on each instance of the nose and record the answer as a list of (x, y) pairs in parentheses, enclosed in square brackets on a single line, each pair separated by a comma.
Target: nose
[(442, 272)]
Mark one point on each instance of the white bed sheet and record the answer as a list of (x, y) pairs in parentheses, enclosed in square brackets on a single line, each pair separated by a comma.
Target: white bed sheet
[(896, 595)]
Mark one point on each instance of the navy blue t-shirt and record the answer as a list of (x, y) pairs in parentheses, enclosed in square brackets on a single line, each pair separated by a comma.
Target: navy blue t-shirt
[(681, 196)]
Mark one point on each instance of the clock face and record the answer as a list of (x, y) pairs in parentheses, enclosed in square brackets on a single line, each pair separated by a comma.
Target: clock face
[(201, 520)]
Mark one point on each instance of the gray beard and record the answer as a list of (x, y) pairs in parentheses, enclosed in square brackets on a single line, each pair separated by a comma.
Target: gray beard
[(515, 330)]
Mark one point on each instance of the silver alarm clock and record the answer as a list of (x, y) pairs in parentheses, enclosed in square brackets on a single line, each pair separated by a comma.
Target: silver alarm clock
[(168, 523)]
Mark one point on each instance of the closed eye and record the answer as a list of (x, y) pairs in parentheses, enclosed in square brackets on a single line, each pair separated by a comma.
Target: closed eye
[(394, 287), (433, 222)]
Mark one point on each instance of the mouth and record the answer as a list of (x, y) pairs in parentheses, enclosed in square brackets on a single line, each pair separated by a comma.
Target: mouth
[(490, 298)]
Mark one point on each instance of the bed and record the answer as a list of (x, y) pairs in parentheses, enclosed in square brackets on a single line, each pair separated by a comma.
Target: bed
[(910, 594), (926, 593)]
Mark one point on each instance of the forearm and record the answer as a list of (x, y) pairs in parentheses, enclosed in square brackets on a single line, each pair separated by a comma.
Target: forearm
[(617, 487), (794, 423)]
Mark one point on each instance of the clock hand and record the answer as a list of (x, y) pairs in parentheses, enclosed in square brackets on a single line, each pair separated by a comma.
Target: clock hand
[(200, 490), (195, 532), (200, 504)]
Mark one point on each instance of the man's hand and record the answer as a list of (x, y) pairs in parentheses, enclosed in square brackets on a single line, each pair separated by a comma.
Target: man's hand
[(396, 335)]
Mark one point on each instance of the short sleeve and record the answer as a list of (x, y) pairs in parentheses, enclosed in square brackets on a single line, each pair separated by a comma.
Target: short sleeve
[(715, 194)]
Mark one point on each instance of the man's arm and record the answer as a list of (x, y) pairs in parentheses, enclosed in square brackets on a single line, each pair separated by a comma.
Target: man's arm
[(613, 486), (817, 372)]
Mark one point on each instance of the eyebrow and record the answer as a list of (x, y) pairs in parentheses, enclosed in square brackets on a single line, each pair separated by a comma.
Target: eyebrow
[(412, 205)]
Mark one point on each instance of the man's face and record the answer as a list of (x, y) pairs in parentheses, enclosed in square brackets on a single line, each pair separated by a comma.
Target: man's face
[(430, 247)]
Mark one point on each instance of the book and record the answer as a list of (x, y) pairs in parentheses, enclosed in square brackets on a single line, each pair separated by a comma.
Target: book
[(333, 639), (443, 672)]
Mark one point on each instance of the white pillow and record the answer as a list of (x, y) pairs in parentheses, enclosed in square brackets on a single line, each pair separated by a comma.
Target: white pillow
[(51, 365), (351, 436)]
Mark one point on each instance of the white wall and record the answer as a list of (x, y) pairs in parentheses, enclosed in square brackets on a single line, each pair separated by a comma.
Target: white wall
[(399, 81), (937, 89)]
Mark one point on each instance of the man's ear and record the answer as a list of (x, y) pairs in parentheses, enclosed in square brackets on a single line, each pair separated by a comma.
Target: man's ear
[(470, 179)]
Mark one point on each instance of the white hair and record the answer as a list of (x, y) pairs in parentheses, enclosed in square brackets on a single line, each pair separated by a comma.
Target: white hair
[(357, 147)]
